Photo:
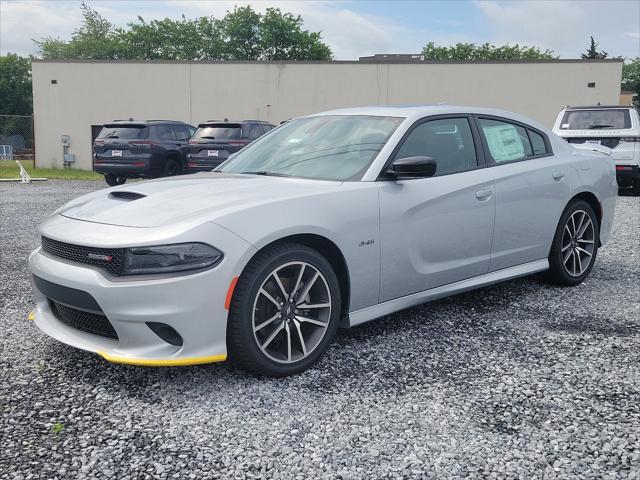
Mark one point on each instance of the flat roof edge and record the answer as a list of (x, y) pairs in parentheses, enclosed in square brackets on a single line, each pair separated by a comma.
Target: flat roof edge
[(332, 62)]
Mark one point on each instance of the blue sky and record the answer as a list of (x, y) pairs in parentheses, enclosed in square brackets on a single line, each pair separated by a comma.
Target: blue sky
[(358, 28)]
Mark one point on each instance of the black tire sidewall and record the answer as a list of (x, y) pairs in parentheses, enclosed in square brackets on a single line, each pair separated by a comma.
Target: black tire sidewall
[(243, 346), (557, 271), (114, 181), (167, 167)]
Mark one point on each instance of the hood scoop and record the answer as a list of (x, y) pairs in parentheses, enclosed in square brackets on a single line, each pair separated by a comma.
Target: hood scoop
[(126, 196)]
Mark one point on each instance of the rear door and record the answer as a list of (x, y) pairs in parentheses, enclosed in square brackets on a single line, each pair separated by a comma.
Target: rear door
[(437, 230), (531, 190)]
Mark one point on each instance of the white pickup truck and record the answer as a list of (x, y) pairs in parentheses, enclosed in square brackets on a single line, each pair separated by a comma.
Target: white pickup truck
[(615, 127)]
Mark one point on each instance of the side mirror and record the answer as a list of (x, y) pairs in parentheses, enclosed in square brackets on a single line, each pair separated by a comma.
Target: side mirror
[(412, 167)]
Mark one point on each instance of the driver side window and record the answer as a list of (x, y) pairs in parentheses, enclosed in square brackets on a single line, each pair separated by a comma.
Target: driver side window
[(448, 141)]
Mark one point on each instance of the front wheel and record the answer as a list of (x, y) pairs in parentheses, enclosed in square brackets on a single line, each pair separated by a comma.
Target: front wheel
[(114, 181), (284, 312), (575, 245)]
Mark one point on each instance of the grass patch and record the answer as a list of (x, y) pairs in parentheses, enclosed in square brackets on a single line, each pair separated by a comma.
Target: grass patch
[(57, 428), (9, 169)]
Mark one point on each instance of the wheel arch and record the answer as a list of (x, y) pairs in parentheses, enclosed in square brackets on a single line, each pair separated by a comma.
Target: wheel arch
[(593, 202), (328, 249)]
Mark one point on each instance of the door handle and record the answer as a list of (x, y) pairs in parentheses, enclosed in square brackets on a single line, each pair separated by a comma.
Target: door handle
[(483, 194), (557, 175)]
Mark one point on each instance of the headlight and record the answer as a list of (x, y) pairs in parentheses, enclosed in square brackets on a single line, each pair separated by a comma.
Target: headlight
[(169, 258)]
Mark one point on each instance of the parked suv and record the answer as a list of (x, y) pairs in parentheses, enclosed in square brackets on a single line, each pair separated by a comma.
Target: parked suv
[(140, 149), (616, 127), (215, 141)]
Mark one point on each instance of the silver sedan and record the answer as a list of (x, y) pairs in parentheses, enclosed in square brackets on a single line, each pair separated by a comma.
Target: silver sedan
[(329, 220)]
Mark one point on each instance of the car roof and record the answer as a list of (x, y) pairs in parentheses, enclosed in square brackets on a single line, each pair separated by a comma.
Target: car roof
[(235, 121), (145, 122), (594, 107), (415, 112)]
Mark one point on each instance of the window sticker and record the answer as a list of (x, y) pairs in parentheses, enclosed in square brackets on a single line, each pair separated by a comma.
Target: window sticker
[(565, 125), (504, 142)]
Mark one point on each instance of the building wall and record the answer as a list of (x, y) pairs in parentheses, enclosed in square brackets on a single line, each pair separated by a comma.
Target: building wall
[(94, 92)]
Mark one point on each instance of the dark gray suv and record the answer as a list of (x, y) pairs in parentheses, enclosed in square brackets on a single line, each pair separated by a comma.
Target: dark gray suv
[(214, 141), (140, 149)]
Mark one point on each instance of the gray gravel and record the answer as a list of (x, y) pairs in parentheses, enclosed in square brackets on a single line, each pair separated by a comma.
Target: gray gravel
[(517, 380)]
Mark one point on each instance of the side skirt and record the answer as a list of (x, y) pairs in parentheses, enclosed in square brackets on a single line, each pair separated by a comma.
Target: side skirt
[(391, 306)]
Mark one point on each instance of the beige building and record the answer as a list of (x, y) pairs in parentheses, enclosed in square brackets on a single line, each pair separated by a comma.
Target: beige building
[(71, 96)]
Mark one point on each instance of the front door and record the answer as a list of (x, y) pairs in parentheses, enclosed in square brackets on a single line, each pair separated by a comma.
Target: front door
[(435, 231)]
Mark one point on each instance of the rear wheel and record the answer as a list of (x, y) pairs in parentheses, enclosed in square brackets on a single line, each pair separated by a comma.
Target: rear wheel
[(113, 181), (172, 168), (284, 312), (635, 190), (575, 245)]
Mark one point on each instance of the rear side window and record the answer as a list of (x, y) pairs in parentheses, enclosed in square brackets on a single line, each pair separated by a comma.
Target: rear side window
[(537, 143), (596, 119), (506, 142), (127, 132), (252, 131), (181, 132), (225, 131), (165, 132)]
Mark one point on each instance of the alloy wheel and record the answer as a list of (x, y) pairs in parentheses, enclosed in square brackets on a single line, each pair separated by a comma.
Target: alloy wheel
[(578, 243), (291, 312)]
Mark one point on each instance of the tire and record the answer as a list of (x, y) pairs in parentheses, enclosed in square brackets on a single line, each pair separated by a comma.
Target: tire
[(172, 168), (291, 343), (635, 189), (114, 181), (569, 251)]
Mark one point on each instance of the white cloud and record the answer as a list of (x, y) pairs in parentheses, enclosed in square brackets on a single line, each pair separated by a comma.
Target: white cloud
[(565, 26), (20, 22)]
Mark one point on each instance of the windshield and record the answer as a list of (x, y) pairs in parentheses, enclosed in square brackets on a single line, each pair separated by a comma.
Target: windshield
[(217, 132), (328, 147), (128, 132), (596, 119)]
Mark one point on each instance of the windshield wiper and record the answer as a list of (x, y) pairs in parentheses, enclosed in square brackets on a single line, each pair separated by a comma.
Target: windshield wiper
[(211, 138), (594, 127), (266, 174)]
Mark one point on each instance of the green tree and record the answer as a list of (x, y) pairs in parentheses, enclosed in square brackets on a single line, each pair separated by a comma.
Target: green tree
[(485, 51), (15, 85), (593, 53), (96, 38), (631, 77), (242, 34)]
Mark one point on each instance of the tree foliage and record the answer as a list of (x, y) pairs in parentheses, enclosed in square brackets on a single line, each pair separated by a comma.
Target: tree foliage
[(631, 77), (15, 85), (593, 53), (485, 51), (242, 34)]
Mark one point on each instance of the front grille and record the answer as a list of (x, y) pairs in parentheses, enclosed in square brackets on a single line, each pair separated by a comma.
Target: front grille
[(109, 259), (611, 142), (84, 321)]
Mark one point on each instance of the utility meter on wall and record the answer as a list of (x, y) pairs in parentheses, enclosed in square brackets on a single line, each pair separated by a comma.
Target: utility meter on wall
[(66, 140)]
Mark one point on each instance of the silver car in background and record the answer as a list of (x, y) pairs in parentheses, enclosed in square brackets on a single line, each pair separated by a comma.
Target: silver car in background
[(332, 219)]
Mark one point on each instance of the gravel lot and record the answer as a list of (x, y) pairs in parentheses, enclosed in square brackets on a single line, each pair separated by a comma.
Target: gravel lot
[(516, 380)]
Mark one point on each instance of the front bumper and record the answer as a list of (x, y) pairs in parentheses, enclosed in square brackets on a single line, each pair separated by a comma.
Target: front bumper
[(193, 305)]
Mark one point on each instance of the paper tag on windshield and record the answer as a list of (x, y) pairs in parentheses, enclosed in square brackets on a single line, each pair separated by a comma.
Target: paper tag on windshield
[(565, 125)]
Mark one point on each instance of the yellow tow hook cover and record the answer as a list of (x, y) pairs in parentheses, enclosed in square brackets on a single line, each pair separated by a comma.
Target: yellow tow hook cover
[(32, 315)]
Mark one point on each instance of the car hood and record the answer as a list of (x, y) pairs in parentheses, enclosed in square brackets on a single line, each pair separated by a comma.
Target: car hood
[(202, 197)]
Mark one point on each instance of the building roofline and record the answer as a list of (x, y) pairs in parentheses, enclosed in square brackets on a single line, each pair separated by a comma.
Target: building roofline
[(332, 62)]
